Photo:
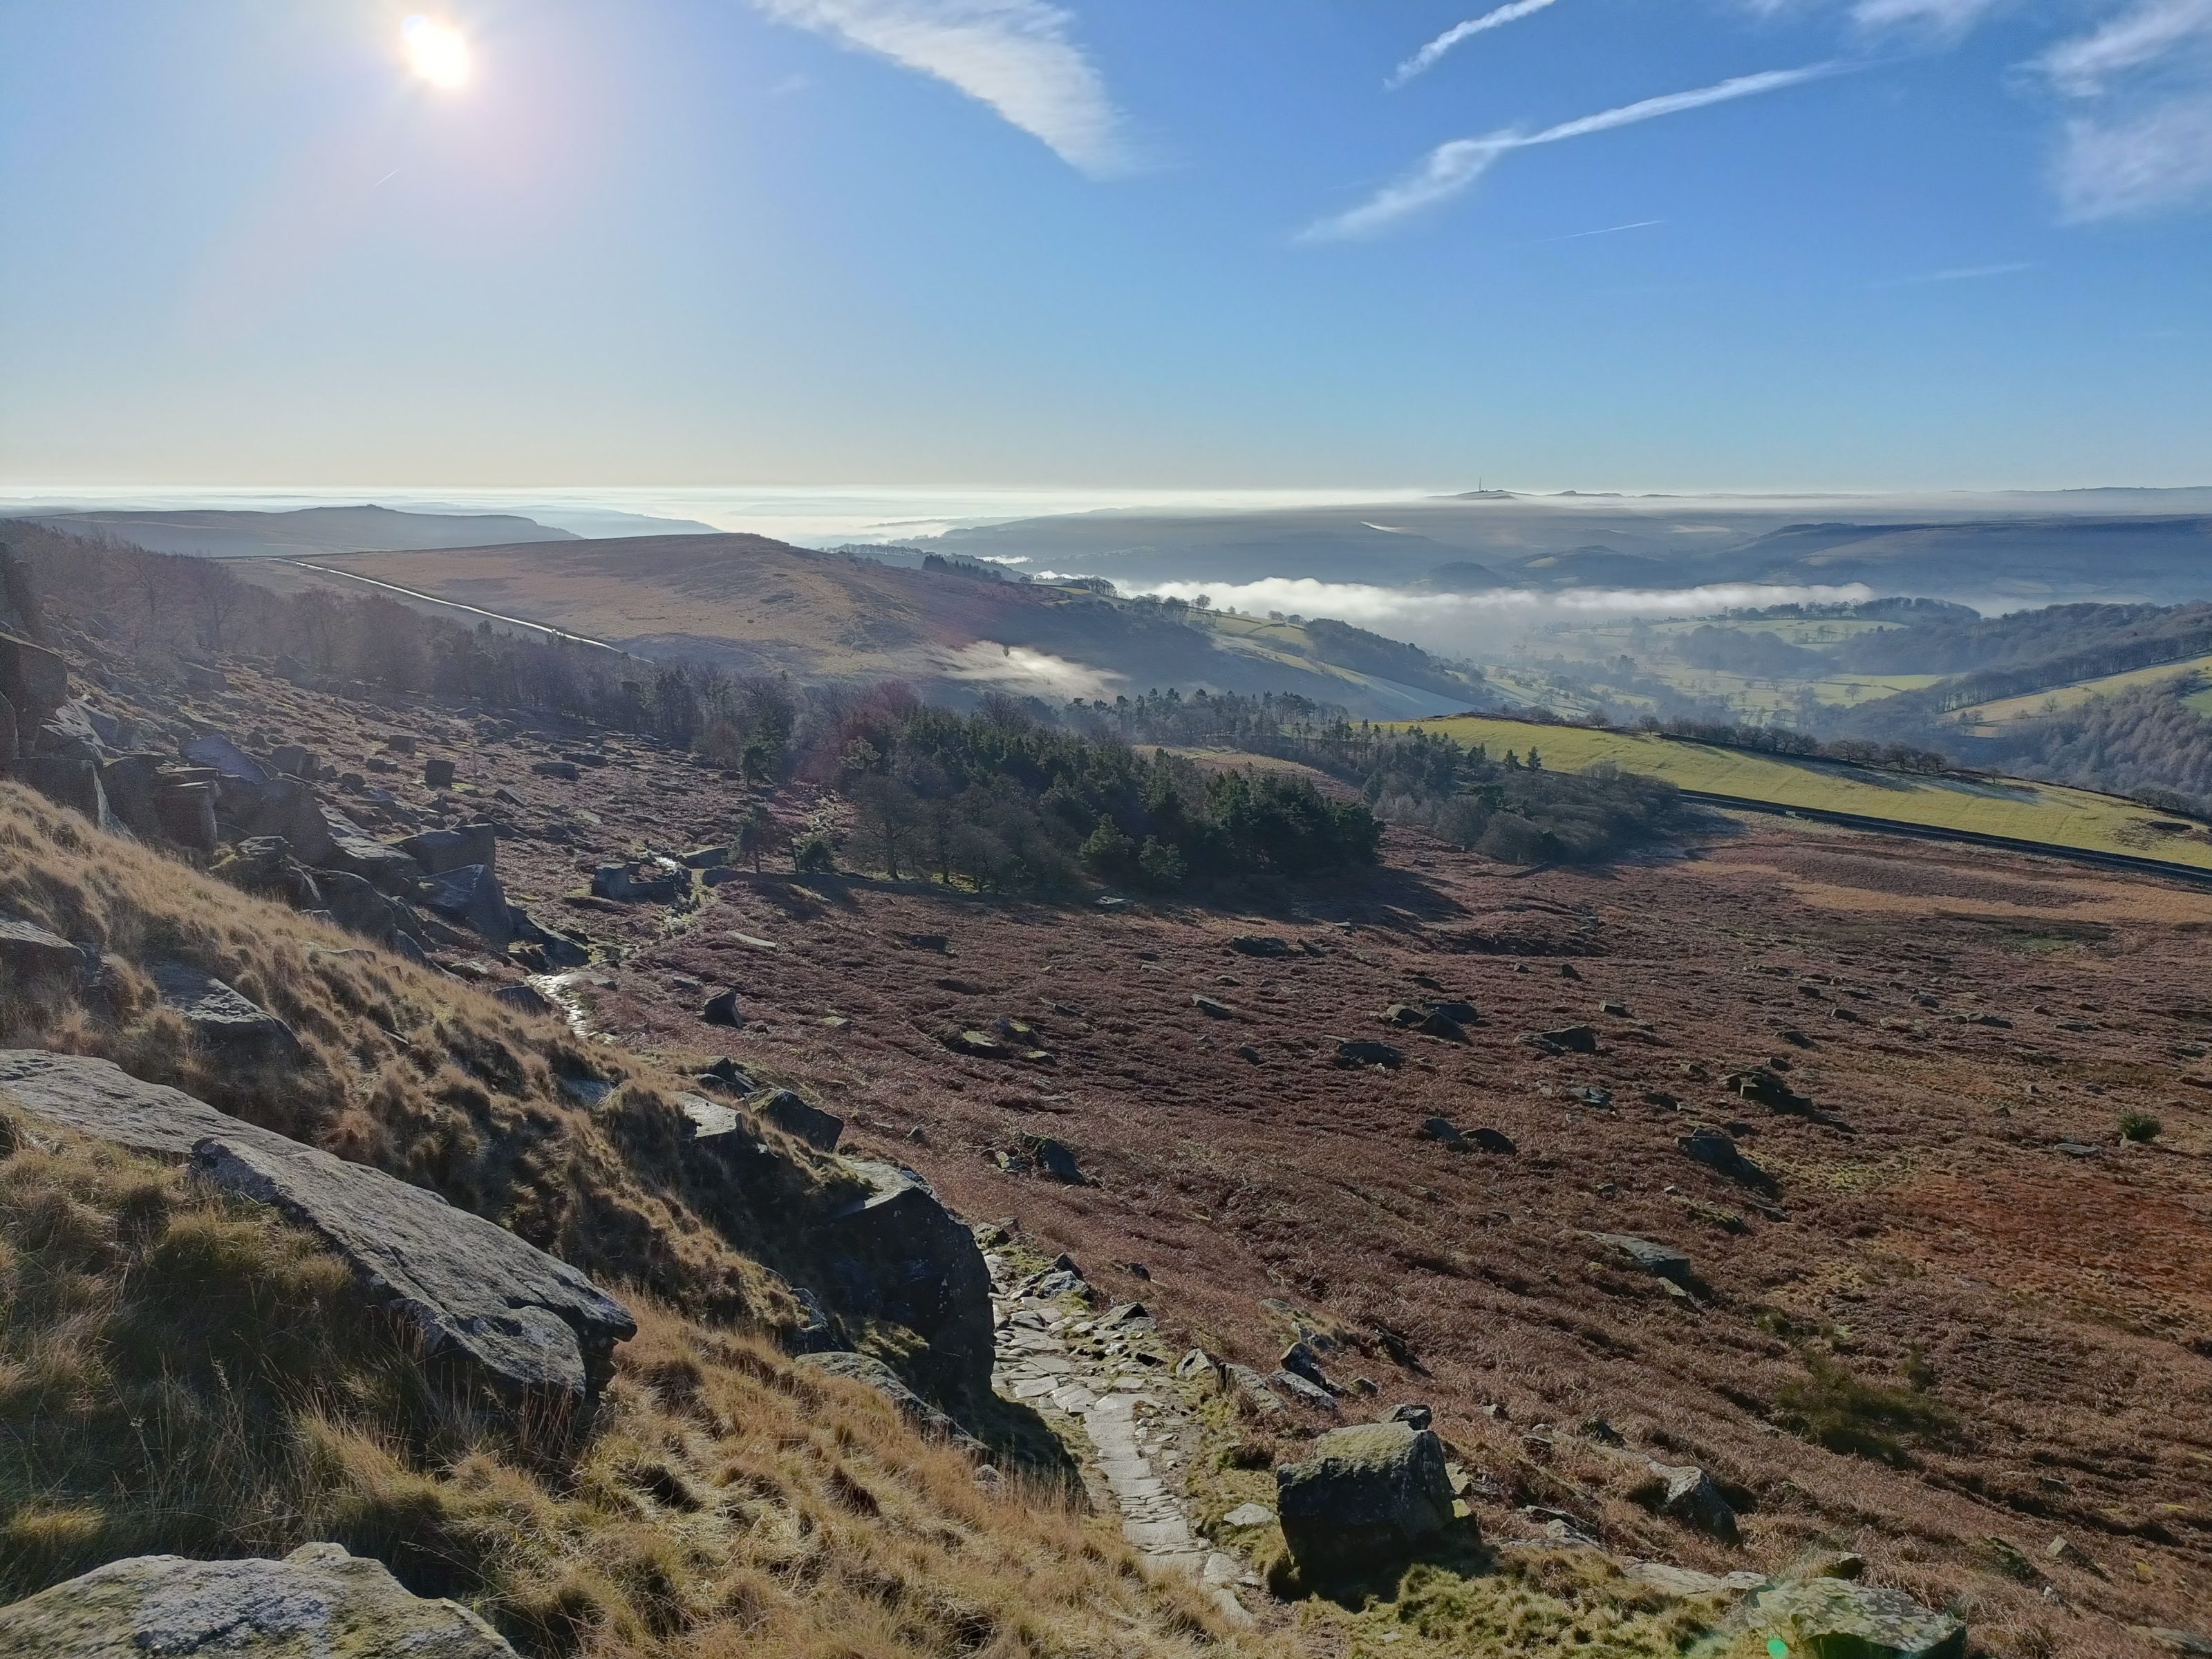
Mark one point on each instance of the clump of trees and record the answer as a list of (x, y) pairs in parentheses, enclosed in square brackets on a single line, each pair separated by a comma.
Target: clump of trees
[(1001, 800), (1514, 808), (2147, 742)]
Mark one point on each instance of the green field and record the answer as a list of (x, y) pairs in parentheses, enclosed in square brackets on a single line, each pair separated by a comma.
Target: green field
[(2012, 807), (2054, 699)]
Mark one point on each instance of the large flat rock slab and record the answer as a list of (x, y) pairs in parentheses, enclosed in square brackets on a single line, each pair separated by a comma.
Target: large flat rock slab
[(319, 1602), (531, 1322)]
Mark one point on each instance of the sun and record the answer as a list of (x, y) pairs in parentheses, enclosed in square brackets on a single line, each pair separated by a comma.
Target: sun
[(436, 51)]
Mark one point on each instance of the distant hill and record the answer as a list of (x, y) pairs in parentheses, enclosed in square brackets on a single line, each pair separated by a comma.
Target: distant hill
[(232, 534), (758, 605)]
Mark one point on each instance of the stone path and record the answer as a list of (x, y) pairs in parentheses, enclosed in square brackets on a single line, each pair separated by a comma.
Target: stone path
[(1104, 1375)]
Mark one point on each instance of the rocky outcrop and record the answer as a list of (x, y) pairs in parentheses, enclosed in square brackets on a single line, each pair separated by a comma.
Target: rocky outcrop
[(319, 1602), (1363, 1497), (527, 1323), (896, 1254)]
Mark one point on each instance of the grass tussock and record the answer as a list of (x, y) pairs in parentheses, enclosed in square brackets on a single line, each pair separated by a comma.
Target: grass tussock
[(181, 1372), (398, 1067), (1846, 1413)]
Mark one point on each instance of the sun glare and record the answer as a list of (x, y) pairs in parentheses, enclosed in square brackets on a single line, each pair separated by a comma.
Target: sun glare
[(435, 52)]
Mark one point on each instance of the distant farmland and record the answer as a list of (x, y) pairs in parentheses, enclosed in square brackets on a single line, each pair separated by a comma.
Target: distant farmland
[(2010, 808)]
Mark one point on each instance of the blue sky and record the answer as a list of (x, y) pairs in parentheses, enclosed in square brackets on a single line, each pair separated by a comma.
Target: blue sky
[(1633, 244)]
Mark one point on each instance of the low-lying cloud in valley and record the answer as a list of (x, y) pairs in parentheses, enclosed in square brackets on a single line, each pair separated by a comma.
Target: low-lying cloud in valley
[(1455, 623)]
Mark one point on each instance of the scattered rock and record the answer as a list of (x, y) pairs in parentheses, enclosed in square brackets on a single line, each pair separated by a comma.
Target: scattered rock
[(2064, 1549), (1247, 1053), (440, 850), (1833, 1616), (1718, 1151), (1300, 1360), (709, 1119), (1572, 1039), (1260, 945), (1413, 1416), (1247, 1515), (1350, 1053), (1763, 1087), (1306, 1392), (799, 1118), (1052, 1159), (438, 772), (1213, 1009), (524, 998), (1644, 1255), (1365, 1497), (1459, 1013), (727, 1075), (319, 1602), (1494, 1141), (29, 952), (1252, 1387), (471, 895), (565, 770), (937, 942), (1441, 1129), (873, 1373), (622, 884), (721, 1009), (228, 1024), (1688, 1494)]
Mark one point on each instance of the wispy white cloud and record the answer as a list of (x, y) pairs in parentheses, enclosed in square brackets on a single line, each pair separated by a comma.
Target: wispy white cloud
[(1433, 53), (1016, 56), (1960, 274), (2154, 162), (2143, 144), (1452, 167), (2142, 34), (1950, 17), (1444, 173), (1937, 17)]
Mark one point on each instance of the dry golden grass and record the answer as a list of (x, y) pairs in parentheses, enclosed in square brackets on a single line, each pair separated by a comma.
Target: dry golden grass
[(399, 1067), (179, 1372)]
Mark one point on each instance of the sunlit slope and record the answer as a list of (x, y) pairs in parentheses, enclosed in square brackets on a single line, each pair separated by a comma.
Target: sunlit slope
[(2011, 807), (2052, 700)]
